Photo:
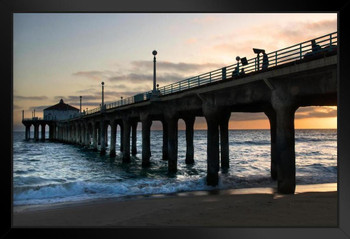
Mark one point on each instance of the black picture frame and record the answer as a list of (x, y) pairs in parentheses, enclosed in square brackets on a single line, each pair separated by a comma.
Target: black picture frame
[(8, 7)]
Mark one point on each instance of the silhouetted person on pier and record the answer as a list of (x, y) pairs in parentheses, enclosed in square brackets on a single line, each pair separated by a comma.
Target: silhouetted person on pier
[(265, 63), (235, 72), (315, 49), (314, 46)]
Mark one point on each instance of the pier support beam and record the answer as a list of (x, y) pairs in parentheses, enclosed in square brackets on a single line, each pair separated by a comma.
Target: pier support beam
[(113, 138), (146, 140), (51, 131), (134, 138), (83, 134), (285, 141), (189, 121), (211, 113), (36, 131), (212, 151), (224, 139), (76, 133), (94, 136), (102, 137), (43, 132), (27, 136), (271, 114), (126, 141), (106, 134), (121, 137), (87, 135), (165, 140), (172, 142)]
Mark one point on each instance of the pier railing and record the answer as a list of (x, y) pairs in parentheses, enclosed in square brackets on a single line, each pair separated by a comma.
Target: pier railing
[(293, 53), (32, 119)]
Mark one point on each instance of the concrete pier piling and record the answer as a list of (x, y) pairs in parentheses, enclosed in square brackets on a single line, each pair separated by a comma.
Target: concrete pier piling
[(126, 141), (102, 138), (113, 139), (172, 120), (27, 133), (121, 137), (224, 139), (134, 138), (165, 140), (189, 121), (284, 107), (43, 132), (270, 113), (94, 136), (285, 144), (212, 150), (36, 132), (146, 140)]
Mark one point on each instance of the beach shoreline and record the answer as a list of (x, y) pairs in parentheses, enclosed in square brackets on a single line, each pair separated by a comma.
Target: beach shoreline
[(312, 205)]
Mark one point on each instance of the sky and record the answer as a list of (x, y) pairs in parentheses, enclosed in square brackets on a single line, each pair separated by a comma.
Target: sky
[(68, 55)]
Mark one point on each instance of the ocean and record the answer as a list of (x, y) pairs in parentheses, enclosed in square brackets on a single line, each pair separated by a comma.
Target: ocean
[(50, 172)]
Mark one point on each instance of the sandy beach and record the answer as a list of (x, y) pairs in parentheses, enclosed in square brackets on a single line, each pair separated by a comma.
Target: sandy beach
[(310, 206)]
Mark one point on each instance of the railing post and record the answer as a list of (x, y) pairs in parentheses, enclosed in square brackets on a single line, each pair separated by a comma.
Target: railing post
[(254, 64), (301, 51), (223, 73), (209, 77), (276, 58), (198, 81)]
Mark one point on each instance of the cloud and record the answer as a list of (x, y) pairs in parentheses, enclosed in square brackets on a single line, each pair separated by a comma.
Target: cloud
[(301, 113), (207, 19), (76, 98), (148, 78), (38, 108), (238, 116), (191, 40), (272, 36), (18, 97), (316, 112), (16, 107), (96, 75)]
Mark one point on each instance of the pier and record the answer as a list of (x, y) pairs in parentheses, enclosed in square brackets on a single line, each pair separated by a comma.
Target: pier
[(276, 83)]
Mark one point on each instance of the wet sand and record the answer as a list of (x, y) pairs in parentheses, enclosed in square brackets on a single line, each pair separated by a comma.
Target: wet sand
[(310, 206)]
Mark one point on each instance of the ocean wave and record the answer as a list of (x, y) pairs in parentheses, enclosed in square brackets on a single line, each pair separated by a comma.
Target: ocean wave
[(63, 192), (252, 142), (35, 180), (322, 139)]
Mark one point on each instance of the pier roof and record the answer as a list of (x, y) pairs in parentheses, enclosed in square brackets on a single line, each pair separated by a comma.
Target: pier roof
[(61, 106)]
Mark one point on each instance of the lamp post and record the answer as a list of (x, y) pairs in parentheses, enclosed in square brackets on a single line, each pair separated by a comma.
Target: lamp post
[(80, 103), (103, 104), (155, 92), (237, 59), (154, 72)]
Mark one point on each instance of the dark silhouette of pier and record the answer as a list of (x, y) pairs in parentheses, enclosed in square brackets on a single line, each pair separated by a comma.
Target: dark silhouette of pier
[(277, 83)]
